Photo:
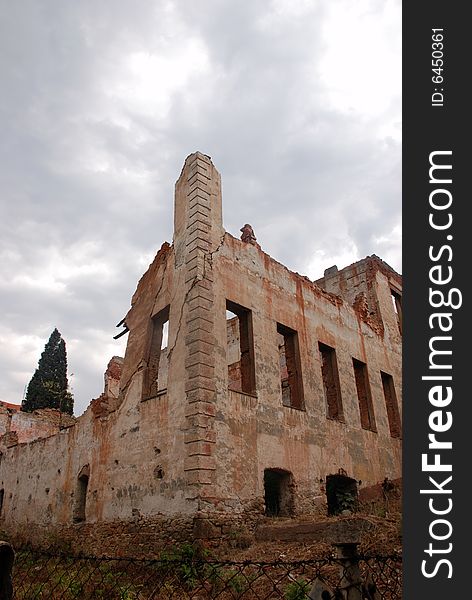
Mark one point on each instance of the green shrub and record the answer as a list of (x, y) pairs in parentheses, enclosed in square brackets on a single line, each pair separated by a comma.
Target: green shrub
[(297, 590), (186, 563)]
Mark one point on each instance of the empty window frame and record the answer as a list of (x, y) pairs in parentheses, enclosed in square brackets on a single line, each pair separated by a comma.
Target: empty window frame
[(391, 404), (2, 495), (397, 306), (331, 386), (155, 374), (290, 368), (364, 395), (240, 349)]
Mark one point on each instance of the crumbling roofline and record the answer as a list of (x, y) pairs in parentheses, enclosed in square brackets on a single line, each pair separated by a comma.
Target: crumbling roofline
[(372, 261), (333, 298)]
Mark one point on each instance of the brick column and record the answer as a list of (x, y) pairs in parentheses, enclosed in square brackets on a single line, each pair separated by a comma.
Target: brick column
[(198, 233)]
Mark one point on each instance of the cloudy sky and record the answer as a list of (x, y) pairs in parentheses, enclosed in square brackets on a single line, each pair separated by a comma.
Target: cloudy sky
[(296, 101)]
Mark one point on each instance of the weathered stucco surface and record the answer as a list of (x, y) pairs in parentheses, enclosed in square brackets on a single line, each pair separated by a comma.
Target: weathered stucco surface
[(175, 440), (18, 427)]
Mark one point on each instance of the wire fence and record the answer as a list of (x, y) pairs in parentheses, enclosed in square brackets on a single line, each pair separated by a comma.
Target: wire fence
[(183, 573)]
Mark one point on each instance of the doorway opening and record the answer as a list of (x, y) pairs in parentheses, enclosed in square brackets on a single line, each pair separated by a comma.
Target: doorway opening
[(81, 494), (341, 493), (278, 493)]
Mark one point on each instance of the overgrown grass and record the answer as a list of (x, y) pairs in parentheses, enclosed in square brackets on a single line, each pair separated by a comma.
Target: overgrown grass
[(185, 571)]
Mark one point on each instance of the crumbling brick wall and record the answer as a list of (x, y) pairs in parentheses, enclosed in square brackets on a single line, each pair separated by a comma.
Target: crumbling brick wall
[(17, 427)]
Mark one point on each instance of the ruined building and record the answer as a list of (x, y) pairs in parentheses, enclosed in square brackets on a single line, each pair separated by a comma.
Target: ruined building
[(246, 390)]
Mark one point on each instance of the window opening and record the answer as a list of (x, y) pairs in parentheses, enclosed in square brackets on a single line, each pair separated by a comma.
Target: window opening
[(240, 349), (364, 395), (391, 405), (290, 368), (397, 307), (155, 375), (331, 385)]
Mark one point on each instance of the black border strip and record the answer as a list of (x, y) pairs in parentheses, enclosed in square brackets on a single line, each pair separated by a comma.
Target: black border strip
[(436, 127)]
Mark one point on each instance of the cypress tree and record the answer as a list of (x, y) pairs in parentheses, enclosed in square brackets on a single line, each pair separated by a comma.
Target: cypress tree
[(48, 387)]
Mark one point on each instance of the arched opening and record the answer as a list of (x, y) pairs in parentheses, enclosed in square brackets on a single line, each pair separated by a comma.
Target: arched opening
[(81, 494), (341, 493), (278, 493)]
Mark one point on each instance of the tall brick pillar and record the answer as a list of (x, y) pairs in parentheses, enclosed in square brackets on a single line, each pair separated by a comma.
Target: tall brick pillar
[(198, 233)]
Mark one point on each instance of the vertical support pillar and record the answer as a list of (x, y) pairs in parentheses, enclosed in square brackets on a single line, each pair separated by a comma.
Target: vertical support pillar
[(350, 576), (197, 235)]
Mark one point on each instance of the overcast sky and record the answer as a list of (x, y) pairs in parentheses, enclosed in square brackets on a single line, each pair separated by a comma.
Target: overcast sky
[(298, 102)]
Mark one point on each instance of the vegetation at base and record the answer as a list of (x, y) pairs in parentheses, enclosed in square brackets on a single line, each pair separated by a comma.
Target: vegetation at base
[(186, 561), (185, 571), (297, 590)]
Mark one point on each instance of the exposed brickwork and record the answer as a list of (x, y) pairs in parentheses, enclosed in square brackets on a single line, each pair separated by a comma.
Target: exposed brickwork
[(391, 404), (199, 181), (108, 401), (10, 406), (364, 396), (291, 376), (17, 427), (329, 372), (154, 356), (358, 284), (241, 373)]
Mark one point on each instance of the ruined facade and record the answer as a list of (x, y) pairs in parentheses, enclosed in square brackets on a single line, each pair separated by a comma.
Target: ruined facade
[(245, 388)]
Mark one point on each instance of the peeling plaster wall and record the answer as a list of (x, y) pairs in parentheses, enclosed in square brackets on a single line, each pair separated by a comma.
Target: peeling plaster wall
[(198, 447), (254, 434), (123, 452), (21, 427)]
